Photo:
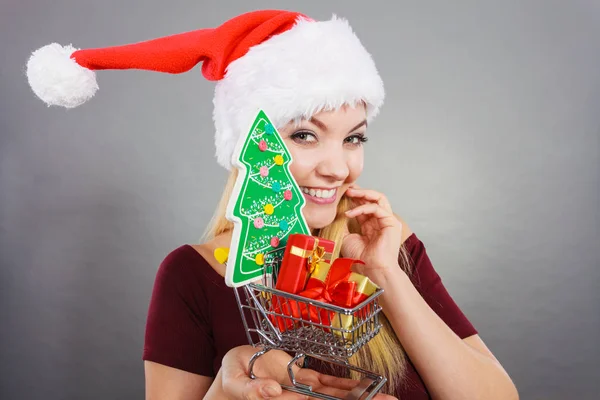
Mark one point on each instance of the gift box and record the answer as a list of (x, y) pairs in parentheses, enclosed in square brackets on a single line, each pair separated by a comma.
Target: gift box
[(336, 284), (307, 270), (302, 254)]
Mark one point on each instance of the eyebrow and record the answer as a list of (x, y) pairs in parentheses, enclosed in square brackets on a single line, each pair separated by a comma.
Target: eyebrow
[(323, 127)]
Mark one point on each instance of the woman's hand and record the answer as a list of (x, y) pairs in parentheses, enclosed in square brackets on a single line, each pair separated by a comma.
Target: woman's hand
[(378, 244), (271, 371)]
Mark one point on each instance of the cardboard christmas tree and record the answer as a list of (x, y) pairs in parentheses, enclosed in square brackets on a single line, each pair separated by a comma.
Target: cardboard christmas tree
[(265, 206)]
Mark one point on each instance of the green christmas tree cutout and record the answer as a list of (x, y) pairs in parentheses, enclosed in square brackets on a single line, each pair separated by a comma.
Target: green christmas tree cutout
[(265, 206)]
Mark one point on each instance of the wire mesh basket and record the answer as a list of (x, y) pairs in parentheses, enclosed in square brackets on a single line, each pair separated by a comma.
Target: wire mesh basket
[(274, 319)]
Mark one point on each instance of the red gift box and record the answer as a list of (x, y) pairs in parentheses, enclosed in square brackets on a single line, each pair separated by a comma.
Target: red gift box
[(307, 271), (302, 254), (336, 284)]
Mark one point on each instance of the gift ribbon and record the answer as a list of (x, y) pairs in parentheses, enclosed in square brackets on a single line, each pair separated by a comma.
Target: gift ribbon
[(315, 256), (337, 287)]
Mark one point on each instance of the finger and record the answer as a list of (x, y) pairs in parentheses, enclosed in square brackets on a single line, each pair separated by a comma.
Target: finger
[(247, 388), (370, 195), (339, 383), (289, 395), (238, 385), (385, 218), (370, 192), (327, 384), (361, 219), (344, 385), (355, 203), (254, 389), (333, 392)]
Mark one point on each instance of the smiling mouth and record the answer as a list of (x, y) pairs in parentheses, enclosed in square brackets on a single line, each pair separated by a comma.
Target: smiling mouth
[(319, 196), (319, 193)]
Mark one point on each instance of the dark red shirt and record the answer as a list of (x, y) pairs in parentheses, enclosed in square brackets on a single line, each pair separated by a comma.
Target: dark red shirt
[(194, 319)]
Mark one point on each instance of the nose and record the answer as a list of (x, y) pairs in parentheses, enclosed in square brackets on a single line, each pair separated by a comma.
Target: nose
[(333, 165)]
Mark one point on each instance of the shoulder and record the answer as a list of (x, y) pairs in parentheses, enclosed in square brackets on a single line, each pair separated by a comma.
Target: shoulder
[(185, 266), (206, 251)]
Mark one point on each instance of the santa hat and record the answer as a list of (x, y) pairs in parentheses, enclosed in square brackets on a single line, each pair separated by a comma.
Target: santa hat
[(282, 62)]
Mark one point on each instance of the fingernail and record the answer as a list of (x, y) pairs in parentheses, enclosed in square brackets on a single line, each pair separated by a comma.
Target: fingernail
[(270, 391)]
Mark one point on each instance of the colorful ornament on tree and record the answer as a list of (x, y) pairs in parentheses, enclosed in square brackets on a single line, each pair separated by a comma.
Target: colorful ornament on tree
[(259, 223), (265, 206), (269, 209), (283, 225), (262, 145), (221, 254), (259, 259)]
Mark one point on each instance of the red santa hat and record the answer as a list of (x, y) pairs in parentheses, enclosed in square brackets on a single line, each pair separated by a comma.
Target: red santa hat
[(282, 62)]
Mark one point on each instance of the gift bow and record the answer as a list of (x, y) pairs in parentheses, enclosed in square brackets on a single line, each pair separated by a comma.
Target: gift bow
[(339, 286), (315, 256)]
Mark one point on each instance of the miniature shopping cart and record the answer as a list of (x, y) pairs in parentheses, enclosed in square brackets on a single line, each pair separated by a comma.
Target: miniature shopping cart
[(332, 338)]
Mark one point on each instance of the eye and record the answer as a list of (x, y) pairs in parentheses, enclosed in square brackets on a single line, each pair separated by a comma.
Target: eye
[(357, 139), (304, 137)]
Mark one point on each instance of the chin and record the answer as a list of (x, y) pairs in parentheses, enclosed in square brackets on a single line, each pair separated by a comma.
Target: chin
[(319, 220)]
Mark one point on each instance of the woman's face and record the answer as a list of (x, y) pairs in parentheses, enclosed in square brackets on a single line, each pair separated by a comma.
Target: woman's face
[(328, 156)]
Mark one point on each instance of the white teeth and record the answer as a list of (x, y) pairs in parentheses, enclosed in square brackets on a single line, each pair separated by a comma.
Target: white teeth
[(323, 194)]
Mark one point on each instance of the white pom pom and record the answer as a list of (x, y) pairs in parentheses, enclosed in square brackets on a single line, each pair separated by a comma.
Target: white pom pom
[(57, 79)]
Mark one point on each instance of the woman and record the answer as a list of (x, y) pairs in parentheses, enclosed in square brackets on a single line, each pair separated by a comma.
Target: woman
[(320, 87)]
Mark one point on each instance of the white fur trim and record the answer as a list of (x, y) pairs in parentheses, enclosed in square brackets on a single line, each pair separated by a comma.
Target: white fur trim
[(57, 79), (312, 67)]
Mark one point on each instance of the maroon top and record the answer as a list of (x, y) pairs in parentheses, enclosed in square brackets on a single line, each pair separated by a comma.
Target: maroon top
[(193, 318)]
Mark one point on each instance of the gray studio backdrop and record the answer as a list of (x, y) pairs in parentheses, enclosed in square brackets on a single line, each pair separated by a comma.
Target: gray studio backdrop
[(492, 122)]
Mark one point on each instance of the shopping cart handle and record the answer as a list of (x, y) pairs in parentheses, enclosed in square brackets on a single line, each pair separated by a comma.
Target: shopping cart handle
[(359, 390)]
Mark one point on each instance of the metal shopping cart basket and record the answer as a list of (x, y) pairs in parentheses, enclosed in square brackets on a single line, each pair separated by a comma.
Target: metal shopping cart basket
[(333, 334)]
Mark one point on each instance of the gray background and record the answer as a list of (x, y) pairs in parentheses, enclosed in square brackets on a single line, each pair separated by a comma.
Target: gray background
[(492, 118)]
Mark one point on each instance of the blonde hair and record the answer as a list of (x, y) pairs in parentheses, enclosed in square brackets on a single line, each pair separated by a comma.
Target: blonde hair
[(383, 354)]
